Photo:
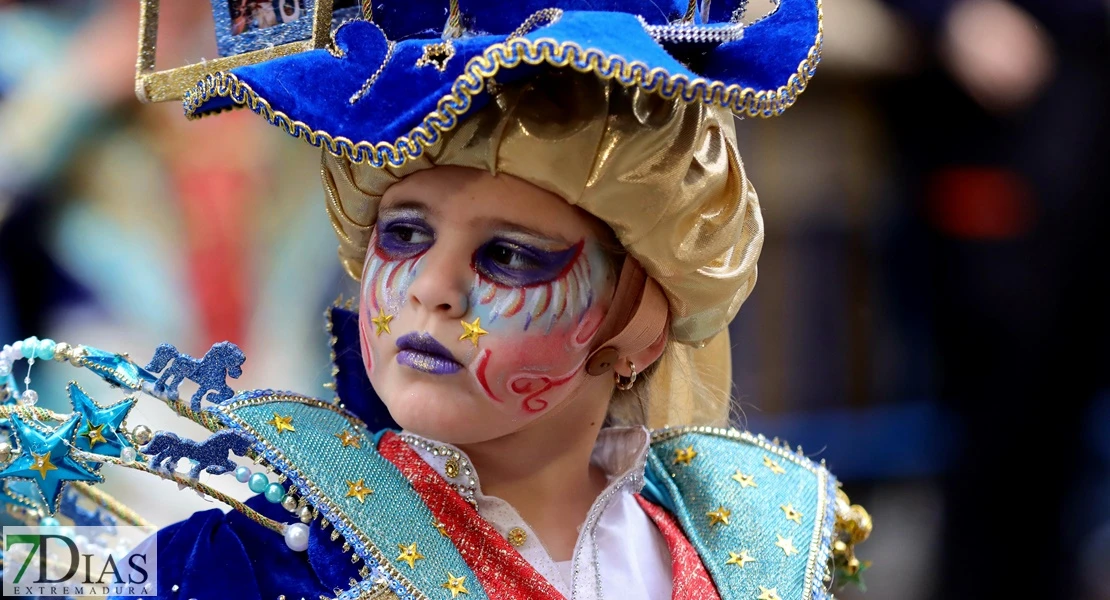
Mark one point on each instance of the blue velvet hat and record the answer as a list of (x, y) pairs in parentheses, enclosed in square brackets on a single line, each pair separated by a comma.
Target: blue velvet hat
[(388, 87)]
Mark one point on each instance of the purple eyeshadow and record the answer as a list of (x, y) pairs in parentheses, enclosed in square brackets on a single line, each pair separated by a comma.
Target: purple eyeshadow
[(536, 266), (391, 237)]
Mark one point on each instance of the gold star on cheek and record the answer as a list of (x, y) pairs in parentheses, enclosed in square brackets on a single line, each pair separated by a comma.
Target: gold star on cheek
[(791, 514), (348, 439), (768, 594), (381, 323), (774, 466), (684, 455), (787, 545), (472, 331), (739, 559), (409, 554), (358, 489), (745, 480), (94, 434), (720, 515), (455, 585), (282, 423), (42, 464)]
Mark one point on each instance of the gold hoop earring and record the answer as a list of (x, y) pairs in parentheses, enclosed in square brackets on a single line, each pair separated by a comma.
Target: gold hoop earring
[(625, 383)]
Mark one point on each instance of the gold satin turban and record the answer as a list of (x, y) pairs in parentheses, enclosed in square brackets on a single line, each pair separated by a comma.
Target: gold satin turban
[(664, 175)]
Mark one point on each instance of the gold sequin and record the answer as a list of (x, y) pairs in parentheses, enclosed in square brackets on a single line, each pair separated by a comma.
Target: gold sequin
[(744, 480), (451, 469), (787, 545), (282, 423), (358, 489), (409, 554), (719, 516), (94, 434), (455, 585), (791, 514), (684, 455), (774, 466), (739, 559), (381, 323), (348, 439), (440, 527), (472, 331), (42, 464), (768, 594), (517, 536)]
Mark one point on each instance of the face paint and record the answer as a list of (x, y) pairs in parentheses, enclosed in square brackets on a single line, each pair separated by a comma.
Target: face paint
[(541, 332), (397, 247)]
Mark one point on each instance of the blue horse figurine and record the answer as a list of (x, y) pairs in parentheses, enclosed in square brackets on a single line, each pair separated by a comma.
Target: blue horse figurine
[(210, 373), (209, 455)]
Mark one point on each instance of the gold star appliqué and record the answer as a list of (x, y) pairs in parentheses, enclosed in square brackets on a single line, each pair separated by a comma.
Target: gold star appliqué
[(745, 480), (381, 323), (348, 439), (95, 434), (768, 594), (455, 585), (472, 331), (739, 559), (358, 489), (720, 515), (684, 455), (791, 514), (774, 466), (787, 545), (282, 423), (440, 527), (409, 554), (42, 464)]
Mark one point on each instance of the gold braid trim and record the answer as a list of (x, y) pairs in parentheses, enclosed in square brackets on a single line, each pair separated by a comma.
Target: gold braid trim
[(106, 501)]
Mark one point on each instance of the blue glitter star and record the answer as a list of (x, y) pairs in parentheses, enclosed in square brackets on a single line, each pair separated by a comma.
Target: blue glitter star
[(44, 459), (99, 430)]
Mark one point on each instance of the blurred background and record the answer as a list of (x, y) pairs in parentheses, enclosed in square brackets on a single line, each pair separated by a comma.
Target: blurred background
[(931, 316)]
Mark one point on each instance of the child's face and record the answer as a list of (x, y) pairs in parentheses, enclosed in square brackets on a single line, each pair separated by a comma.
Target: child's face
[(519, 266)]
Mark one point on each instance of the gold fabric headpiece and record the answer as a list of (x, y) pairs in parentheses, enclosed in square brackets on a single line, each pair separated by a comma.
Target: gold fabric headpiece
[(665, 176)]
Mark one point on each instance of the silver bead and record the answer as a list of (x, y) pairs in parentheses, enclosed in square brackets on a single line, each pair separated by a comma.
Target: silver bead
[(29, 398), (61, 351), (305, 514), (142, 435), (5, 452), (289, 503)]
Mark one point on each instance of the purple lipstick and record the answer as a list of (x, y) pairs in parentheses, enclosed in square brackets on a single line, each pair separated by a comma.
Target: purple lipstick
[(422, 352)]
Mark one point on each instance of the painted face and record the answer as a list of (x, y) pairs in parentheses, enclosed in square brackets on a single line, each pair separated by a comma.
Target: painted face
[(481, 299)]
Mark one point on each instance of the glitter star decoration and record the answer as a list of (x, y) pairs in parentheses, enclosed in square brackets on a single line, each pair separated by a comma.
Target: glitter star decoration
[(409, 554), (768, 594), (719, 516), (787, 545), (99, 430), (774, 466), (282, 423), (739, 559), (441, 527), (472, 331), (744, 480), (45, 458), (381, 323), (455, 585), (684, 455), (348, 439), (791, 514), (358, 489)]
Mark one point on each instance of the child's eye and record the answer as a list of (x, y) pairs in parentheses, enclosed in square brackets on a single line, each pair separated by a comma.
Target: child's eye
[(400, 240), (515, 265)]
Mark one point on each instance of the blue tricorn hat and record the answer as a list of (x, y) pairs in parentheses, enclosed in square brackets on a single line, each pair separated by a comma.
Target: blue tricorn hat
[(387, 88)]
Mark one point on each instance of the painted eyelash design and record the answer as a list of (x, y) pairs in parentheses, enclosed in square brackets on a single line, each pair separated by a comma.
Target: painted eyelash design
[(571, 293)]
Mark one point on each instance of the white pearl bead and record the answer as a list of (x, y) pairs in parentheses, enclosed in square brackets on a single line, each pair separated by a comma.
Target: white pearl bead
[(5, 367), (296, 537)]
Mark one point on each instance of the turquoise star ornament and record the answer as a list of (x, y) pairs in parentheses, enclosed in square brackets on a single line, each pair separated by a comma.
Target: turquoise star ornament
[(44, 459), (99, 431)]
